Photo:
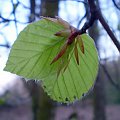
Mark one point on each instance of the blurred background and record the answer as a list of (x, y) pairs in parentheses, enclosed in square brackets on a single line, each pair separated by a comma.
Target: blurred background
[(21, 100)]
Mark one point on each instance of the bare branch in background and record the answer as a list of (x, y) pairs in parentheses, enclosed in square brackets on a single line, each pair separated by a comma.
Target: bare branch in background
[(85, 15), (6, 21), (117, 5), (14, 13), (4, 45), (26, 7)]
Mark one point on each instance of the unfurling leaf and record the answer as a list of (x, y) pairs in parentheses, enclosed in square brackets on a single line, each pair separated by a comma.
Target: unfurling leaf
[(63, 50), (74, 66), (63, 33), (80, 42), (76, 53)]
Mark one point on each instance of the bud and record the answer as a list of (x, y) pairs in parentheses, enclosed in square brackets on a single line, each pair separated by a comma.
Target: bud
[(63, 33)]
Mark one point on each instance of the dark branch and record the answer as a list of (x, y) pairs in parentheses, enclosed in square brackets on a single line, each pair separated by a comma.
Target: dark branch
[(97, 15), (91, 20), (6, 20), (24, 5), (116, 5), (4, 45), (88, 24), (32, 10), (108, 30), (14, 14), (82, 19)]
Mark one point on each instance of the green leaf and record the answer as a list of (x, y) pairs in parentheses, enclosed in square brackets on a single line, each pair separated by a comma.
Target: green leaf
[(64, 80), (77, 80)]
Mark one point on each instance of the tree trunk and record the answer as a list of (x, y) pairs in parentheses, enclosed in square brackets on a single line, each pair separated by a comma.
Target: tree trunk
[(48, 8), (32, 10), (99, 98), (45, 109), (41, 104)]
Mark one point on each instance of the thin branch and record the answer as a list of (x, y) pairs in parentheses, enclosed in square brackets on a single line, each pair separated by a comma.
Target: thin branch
[(6, 20), (14, 14), (82, 19), (4, 45), (108, 30), (88, 24), (24, 5), (96, 14), (116, 5)]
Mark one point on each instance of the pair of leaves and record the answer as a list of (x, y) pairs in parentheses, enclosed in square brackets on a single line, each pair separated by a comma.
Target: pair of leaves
[(35, 48)]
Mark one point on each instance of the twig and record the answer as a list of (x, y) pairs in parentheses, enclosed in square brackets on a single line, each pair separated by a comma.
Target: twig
[(116, 5), (4, 45), (14, 14), (108, 30), (5, 20), (24, 5), (82, 19), (97, 15)]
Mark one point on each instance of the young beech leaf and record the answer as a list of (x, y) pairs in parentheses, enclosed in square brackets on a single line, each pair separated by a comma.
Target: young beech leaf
[(66, 70)]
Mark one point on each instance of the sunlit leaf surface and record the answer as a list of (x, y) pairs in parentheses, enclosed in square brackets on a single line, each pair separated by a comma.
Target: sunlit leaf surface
[(66, 79)]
